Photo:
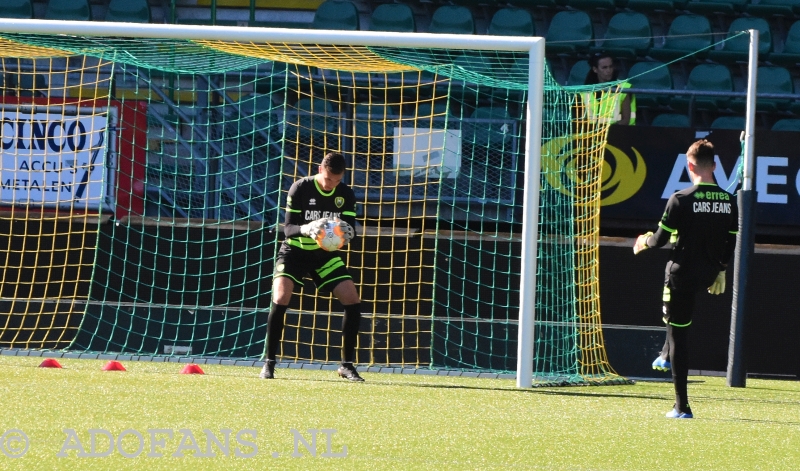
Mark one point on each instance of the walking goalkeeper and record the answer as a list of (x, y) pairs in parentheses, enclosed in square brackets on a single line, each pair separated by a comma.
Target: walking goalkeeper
[(702, 221), (311, 202)]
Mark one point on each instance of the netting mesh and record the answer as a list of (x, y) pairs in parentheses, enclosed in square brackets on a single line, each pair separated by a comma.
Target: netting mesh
[(176, 255)]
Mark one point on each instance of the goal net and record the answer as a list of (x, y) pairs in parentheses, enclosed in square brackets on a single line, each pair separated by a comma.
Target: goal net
[(144, 178)]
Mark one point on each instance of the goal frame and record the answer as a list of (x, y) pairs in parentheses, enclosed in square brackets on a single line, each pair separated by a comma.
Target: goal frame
[(534, 46)]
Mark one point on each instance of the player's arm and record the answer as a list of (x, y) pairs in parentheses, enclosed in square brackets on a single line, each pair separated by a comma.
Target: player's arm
[(666, 228), (294, 213), (349, 214), (733, 231)]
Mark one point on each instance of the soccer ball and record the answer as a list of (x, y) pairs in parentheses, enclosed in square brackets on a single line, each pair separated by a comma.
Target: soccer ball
[(332, 237)]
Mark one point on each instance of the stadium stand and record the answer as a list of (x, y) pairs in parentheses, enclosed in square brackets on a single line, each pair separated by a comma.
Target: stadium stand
[(627, 36), (130, 11), (337, 14), (655, 5), (16, 9), (687, 34), (393, 17), (74, 10), (577, 74), (570, 32), (783, 8), (771, 79), (512, 22), (452, 19)]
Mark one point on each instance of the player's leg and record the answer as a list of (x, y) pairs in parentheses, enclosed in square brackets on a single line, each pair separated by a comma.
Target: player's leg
[(283, 283), (678, 314), (334, 276)]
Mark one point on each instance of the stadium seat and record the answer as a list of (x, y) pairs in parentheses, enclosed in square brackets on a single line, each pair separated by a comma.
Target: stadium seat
[(628, 35), (787, 8), (771, 79), (787, 125), (578, 72), (433, 115), (709, 77), (654, 76), (790, 55), (570, 31), (736, 49), (688, 34), (394, 17), (336, 14), (537, 3), (73, 10), (313, 115), (590, 5), (512, 22), (16, 9), (128, 11), (452, 20), (31, 85), (671, 120), (372, 120), (704, 7), (728, 122)]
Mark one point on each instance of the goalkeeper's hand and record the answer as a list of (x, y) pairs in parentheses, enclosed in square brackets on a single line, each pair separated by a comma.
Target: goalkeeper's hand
[(719, 284), (641, 242), (347, 230), (313, 228)]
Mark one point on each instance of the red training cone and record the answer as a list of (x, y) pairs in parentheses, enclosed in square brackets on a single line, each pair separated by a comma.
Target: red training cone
[(50, 363), (113, 365), (192, 369)]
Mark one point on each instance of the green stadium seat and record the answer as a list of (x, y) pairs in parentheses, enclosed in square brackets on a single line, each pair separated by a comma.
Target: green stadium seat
[(128, 11), (16, 9), (771, 79), (787, 125), (374, 120), (708, 77), (578, 72), (591, 5), (312, 116), (787, 8), (653, 76), (433, 115), (452, 19), (737, 49), (570, 32), (628, 35), (704, 7), (512, 22), (688, 34), (790, 55), (31, 85), (728, 122), (336, 14), (671, 120), (73, 10), (537, 3), (394, 17)]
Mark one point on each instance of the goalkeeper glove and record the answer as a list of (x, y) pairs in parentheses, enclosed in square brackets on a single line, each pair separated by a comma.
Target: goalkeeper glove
[(313, 228), (347, 230), (719, 284), (641, 243)]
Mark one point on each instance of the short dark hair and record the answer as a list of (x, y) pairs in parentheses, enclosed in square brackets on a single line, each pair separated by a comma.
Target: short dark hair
[(334, 162), (702, 152)]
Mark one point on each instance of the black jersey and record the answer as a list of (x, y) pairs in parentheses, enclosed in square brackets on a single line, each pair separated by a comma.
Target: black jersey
[(307, 202), (705, 220)]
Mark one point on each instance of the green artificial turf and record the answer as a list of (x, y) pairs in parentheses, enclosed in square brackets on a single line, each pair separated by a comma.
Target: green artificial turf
[(392, 421)]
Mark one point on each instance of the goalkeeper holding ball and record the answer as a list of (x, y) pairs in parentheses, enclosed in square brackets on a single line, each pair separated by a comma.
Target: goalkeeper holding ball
[(311, 204), (702, 222)]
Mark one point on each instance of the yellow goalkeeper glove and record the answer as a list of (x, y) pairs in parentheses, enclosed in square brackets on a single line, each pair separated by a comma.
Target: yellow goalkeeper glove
[(719, 284), (641, 243)]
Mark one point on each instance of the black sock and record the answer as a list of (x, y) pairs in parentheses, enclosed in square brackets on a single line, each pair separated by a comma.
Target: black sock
[(350, 326), (277, 313), (679, 358)]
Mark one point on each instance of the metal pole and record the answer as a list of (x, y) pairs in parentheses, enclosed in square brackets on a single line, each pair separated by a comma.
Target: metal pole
[(745, 240), (530, 217)]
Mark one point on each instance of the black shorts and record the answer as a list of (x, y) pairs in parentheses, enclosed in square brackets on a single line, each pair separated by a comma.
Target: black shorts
[(680, 291), (326, 269)]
